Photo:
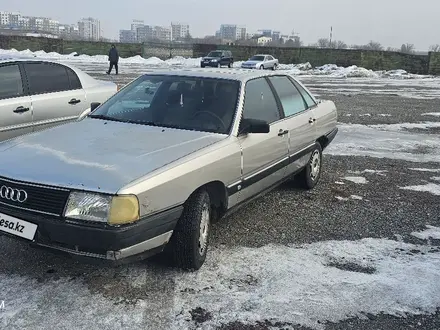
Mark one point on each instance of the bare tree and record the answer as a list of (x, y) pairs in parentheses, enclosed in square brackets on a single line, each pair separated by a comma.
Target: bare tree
[(373, 45), (435, 48), (323, 43), (391, 49), (326, 43), (407, 49)]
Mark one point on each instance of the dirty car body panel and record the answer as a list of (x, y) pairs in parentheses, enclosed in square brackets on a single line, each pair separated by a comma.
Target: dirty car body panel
[(159, 158)]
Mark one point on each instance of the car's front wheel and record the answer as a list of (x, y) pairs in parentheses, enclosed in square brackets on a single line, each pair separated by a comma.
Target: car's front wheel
[(261, 67), (189, 243), (309, 176)]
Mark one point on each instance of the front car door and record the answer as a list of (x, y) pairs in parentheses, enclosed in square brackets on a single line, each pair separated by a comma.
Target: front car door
[(264, 155), (300, 120), (56, 94), (15, 104)]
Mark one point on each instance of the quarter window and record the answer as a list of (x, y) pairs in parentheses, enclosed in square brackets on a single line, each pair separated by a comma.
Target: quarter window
[(290, 97), (310, 102), (259, 102), (11, 84), (74, 80), (46, 78)]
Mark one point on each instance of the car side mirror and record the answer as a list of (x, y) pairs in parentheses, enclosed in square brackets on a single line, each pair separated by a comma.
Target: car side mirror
[(94, 105), (249, 125)]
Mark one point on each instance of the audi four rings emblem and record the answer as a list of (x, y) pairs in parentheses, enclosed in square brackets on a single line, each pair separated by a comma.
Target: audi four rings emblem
[(12, 194)]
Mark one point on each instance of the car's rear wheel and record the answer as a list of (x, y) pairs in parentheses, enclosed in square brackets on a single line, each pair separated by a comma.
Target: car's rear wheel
[(310, 175), (274, 67), (189, 242), (230, 65)]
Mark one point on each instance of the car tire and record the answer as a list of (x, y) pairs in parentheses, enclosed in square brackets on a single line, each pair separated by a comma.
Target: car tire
[(190, 239), (310, 175), (202, 66), (219, 65), (230, 65), (261, 67), (274, 67)]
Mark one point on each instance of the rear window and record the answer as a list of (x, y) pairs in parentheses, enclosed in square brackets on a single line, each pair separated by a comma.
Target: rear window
[(10, 82)]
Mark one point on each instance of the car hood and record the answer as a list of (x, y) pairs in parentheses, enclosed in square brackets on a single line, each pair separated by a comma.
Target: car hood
[(252, 62), (95, 154)]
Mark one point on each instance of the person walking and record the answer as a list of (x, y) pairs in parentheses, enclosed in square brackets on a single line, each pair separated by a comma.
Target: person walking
[(113, 57)]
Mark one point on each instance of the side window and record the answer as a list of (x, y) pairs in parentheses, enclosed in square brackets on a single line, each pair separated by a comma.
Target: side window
[(11, 84), (290, 97), (74, 80), (46, 78), (259, 101), (305, 94), (270, 58)]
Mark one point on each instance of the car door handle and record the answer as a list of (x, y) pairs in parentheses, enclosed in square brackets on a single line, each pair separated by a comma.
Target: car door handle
[(282, 132), (74, 101), (21, 109), (312, 120)]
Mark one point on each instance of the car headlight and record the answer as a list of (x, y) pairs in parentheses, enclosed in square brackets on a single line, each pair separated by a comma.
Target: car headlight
[(214, 60), (114, 210)]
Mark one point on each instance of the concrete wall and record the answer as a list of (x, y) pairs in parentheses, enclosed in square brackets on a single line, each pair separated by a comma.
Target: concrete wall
[(166, 51), (375, 60), (434, 63), (67, 46)]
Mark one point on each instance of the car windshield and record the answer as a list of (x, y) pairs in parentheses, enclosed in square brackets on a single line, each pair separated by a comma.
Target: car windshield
[(191, 103), (257, 58), (215, 54)]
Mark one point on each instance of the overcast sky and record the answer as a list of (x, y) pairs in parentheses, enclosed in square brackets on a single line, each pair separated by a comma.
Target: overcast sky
[(391, 22)]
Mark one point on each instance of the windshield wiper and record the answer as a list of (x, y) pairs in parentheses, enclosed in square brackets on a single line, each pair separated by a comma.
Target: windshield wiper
[(103, 117)]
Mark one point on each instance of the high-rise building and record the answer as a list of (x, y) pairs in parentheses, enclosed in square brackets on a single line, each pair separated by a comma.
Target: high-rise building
[(90, 29), (228, 31), (127, 36), (9, 19), (149, 32), (276, 35), (136, 23), (265, 33), (179, 30), (240, 33)]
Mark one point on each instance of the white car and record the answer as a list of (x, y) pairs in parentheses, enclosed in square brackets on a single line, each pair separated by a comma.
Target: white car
[(261, 61), (36, 94)]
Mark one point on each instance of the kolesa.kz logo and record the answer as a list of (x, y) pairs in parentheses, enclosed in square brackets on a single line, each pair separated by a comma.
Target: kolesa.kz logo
[(14, 195), (11, 225)]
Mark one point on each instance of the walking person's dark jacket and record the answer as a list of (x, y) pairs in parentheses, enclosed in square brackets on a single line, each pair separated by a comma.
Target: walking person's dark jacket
[(113, 55)]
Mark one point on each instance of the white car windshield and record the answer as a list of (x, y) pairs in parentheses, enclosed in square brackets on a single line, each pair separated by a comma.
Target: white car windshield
[(191, 103), (257, 58)]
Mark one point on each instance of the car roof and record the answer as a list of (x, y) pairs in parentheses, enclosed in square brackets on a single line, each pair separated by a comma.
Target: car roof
[(262, 55), (86, 79), (216, 73)]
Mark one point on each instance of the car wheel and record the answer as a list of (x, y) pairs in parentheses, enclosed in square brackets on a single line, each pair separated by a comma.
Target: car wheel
[(190, 239), (219, 65), (261, 67), (202, 66), (230, 65), (309, 176), (274, 67)]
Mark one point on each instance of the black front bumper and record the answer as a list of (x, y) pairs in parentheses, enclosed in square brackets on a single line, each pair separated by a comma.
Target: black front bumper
[(211, 64), (99, 241)]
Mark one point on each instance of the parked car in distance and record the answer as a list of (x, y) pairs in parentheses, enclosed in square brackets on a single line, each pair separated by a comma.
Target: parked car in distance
[(133, 179), (261, 61), (218, 58), (36, 94)]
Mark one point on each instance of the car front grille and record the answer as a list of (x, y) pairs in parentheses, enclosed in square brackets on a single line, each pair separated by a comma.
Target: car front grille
[(33, 197)]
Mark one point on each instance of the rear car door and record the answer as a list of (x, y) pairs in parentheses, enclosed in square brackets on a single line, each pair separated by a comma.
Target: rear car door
[(300, 121), (264, 155), (15, 104), (56, 94)]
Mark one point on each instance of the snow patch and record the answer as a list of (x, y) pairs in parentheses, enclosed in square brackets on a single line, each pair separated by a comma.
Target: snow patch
[(432, 188), (339, 182), (405, 126), (356, 179), (378, 172), (435, 178), (430, 170), (430, 232), (435, 114), (384, 115), (362, 140)]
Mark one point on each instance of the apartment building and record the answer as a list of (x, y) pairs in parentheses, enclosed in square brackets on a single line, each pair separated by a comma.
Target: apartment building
[(179, 30), (90, 29)]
